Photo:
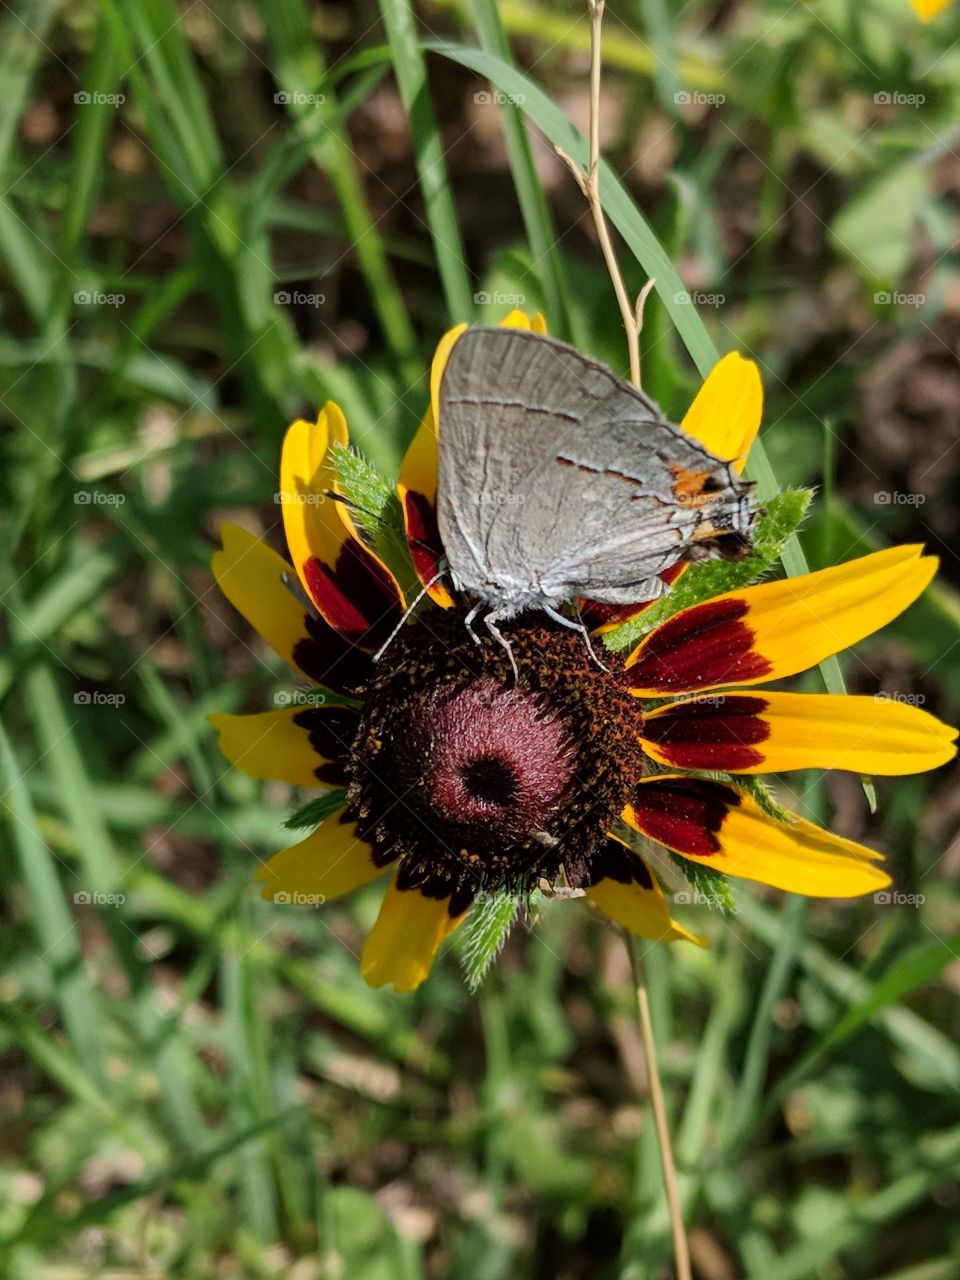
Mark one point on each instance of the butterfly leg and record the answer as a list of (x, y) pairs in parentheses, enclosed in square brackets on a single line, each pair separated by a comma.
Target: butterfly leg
[(469, 619), (577, 625), (491, 620)]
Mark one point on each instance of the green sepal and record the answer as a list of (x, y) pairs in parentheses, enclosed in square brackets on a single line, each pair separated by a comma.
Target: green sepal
[(375, 507), (317, 810), (486, 930)]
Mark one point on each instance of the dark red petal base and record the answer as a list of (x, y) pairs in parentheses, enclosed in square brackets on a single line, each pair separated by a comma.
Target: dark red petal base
[(614, 861), (356, 595), (684, 814), (327, 658), (717, 732), (331, 731), (423, 536), (707, 645)]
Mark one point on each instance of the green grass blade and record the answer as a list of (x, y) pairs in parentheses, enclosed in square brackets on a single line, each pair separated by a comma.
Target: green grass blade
[(933, 1053), (51, 608), (411, 72), (247, 1080), (101, 79), (301, 70), (919, 966), (22, 46), (102, 874), (61, 955), (866, 1221), (658, 20), (747, 1102), (537, 219)]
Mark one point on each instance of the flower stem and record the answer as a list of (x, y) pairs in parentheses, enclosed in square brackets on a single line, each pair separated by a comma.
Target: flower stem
[(589, 184), (681, 1249)]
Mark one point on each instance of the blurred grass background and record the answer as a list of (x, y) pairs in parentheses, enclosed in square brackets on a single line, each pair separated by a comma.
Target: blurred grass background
[(214, 217)]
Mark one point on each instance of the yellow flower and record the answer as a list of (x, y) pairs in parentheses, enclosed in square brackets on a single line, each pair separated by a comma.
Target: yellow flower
[(927, 10), (459, 778)]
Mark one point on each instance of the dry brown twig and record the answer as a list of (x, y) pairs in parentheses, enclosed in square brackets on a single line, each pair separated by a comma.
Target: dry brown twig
[(589, 184), (632, 315)]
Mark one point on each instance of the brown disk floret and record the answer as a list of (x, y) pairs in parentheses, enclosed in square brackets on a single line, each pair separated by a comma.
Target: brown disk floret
[(475, 778)]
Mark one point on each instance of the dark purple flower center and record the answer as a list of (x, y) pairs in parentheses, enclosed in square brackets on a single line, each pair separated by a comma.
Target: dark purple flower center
[(473, 775), (493, 760)]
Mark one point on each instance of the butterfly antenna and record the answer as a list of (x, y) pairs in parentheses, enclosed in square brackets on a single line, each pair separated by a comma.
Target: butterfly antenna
[(406, 614)]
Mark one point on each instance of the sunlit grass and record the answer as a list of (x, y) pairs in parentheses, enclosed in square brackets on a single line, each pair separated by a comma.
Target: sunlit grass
[(196, 1080)]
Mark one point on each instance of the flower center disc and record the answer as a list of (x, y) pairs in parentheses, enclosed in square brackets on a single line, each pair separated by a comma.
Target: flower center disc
[(495, 761), (473, 776)]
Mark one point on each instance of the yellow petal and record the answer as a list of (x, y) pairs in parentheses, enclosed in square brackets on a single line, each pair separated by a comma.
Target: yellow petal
[(928, 9), (636, 901), (716, 826), (405, 938), (778, 628), (302, 745), (772, 732), (417, 491), (439, 364), (351, 586), (725, 416), (251, 575), (329, 863)]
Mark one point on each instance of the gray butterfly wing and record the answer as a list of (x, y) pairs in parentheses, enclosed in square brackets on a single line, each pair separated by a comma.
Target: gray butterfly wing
[(556, 479)]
